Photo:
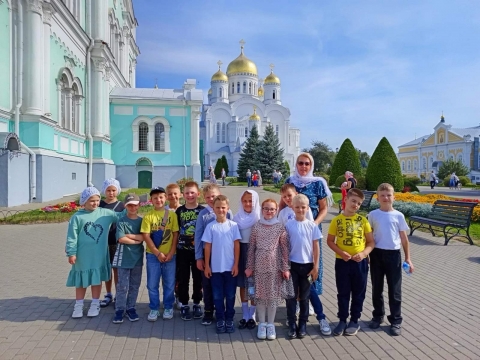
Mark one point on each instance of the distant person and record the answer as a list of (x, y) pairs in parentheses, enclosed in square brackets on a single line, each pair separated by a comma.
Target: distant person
[(213, 179), (259, 174), (249, 178), (275, 177), (433, 180), (224, 175), (351, 181)]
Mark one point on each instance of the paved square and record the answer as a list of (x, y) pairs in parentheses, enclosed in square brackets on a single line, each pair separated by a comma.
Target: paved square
[(441, 306)]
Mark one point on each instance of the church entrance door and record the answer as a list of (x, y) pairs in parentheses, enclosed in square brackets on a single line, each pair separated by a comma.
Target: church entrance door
[(145, 179)]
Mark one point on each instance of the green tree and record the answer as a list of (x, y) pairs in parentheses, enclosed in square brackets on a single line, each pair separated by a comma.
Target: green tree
[(346, 160), (323, 156), (451, 166), (218, 168), (287, 170), (224, 165), (384, 167), (270, 155), (364, 158), (249, 155)]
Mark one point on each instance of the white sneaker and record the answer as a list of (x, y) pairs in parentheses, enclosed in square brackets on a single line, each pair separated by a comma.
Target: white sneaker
[(271, 334), (94, 310), (168, 314), (325, 327), (297, 309), (77, 311), (153, 315), (262, 331), (310, 310)]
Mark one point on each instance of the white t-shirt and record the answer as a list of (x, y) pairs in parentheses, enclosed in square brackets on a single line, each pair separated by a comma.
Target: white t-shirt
[(222, 237), (287, 214), (301, 235), (245, 233), (386, 227)]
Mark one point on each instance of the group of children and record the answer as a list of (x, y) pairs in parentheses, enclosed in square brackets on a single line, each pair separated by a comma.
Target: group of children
[(271, 255)]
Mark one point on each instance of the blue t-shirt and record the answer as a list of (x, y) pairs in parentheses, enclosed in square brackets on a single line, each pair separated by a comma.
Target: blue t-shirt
[(314, 192), (128, 256)]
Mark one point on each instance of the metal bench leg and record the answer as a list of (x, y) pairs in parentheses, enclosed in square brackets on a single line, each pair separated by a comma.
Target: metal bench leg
[(468, 236), (431, 230)]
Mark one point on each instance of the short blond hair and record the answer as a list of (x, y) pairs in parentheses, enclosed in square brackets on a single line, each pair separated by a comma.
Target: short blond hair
[(210, 187), (300, 198), (220, 198), (173, 186), (286, 187), (385, 186), (191, 184)]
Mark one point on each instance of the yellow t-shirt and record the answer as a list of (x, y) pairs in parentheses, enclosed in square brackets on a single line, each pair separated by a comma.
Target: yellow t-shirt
[(153, 221), (350, 232)]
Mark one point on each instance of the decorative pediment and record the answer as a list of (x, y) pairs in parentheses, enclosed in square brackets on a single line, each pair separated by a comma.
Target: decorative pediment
[(452, 137), (429, 141)]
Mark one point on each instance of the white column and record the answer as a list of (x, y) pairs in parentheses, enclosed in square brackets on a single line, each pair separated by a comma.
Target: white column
[(59, 102), (106, 103), (195, 138), (134, 65), (151, 137), (48, 11), (33, 58), (96, 97), (99, 20)]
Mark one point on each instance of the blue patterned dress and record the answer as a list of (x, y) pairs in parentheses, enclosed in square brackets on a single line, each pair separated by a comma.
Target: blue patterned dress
[(314, 191)]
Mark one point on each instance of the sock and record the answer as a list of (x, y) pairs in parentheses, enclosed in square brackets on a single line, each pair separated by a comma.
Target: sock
[(95, 301), (245, 311), (252, 312), (79, 302)]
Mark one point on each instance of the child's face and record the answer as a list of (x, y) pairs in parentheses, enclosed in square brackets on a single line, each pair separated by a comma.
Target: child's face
[(385, 197), (300, 208), (220, 208), (190, 194), (158, 200), (210, 196), (173, 197), (353, 202), (111, 193), (287, 197), (247, 202), (92, 203), (269, 210), (132, 209)]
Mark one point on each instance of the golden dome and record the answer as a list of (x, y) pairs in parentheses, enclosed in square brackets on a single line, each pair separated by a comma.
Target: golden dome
[(219, 75), (254, 116), (272, 79), (260, 91), (242, 64), (210, 91)]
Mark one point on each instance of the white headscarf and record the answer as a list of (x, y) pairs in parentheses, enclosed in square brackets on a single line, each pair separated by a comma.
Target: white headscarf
[(246, 220), (87, 194), (302, 181), (111, 182)]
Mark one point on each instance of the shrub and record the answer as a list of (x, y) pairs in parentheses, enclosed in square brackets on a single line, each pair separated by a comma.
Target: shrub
[(181, 182), (361, 183), (340, 180), (231, 179), (280, 183), (415, 180), (347, 159), (384, 167), (409, 185), (406, 208), (465, 180), (450, 166)]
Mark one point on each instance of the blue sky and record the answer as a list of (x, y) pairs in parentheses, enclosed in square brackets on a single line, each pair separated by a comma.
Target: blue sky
[(356, 69)]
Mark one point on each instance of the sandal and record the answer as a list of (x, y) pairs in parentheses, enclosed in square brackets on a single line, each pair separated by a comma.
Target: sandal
[(106, 301), (242, 324), (251, 324)]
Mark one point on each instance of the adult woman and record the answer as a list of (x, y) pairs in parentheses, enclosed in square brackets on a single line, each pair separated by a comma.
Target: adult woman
[(320, 198), (351, 181), (213, 179)]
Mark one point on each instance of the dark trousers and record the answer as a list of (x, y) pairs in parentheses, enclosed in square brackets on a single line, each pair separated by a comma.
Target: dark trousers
[(249, 181), (207, 290), (224, 287), (299, 274), (432, 184), (186, 264), (351, 279), (387, 263)]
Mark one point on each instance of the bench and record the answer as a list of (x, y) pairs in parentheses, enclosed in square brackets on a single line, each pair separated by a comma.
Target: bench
[(453, 217), (366, 202)]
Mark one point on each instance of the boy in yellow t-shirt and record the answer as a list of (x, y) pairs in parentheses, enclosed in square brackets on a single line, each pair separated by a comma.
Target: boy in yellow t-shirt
[(160, 232), (350, 236)]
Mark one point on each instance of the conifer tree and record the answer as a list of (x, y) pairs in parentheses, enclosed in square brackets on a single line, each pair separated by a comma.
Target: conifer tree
[(249, 155), (384, 167), (224, 165), (218, 169), (270, 155), (347, 159)]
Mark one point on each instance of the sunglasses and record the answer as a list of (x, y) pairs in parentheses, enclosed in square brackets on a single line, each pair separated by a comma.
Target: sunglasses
[(269, 209), (301, 163)]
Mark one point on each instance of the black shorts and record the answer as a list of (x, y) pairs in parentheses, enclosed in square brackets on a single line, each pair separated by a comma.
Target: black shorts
[(111, 251)]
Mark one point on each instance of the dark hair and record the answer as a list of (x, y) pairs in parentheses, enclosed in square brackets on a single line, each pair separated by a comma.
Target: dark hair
[(356, 192), (157, 190)]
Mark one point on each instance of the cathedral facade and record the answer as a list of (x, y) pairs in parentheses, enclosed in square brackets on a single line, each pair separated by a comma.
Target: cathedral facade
[(237, 101)]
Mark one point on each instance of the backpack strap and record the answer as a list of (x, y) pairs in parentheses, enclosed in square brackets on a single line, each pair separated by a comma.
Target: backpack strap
[(165, 219)]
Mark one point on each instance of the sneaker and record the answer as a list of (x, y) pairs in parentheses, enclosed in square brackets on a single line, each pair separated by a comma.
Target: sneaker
[(167, 314), (325, 327), (118, 317), (311, 312), (77, 311), (396, 330), (230, 326), (153, 315), (94, 310), (197, 311), (352, 328), (107, 300), (132, 315), (221, 327), (251, 324), (297, 309), (178, 304), (340, 328), (207, 318), (271, 334), (185, 313), (262, 331), (375, 323)]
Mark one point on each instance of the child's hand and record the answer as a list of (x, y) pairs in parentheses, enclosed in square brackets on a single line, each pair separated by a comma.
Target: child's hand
[(286, 274), (358, 257), (234, 270), (208, 272), (161, 257), (201, 265), (314, 273), (409, 262), (346, 256), (168, 257), (72, 259), (248, 272)]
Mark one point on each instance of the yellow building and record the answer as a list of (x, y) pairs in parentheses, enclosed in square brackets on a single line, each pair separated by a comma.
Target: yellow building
[(426, 153)]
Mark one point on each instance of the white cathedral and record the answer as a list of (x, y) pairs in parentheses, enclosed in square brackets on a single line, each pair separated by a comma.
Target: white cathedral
[(237, 101)]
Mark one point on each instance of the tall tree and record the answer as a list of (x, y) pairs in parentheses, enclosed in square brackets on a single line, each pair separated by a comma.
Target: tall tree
[(218, 168), (270, 154), (346, 160), (364, 158), (451, 166), (224, 164), (384, 167), (249, 155), (323, 156)]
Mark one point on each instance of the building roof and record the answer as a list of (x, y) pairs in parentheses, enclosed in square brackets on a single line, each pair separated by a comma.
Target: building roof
[(146, 93), (417, 141), (473, 131)]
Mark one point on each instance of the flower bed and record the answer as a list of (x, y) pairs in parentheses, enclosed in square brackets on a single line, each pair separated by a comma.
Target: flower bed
[(67, 207)]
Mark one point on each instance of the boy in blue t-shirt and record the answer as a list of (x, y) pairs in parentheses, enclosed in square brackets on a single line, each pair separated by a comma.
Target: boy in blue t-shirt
[(128, 260), (222, 252)]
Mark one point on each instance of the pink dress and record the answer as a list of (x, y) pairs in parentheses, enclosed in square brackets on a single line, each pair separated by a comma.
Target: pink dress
[(268, 252)]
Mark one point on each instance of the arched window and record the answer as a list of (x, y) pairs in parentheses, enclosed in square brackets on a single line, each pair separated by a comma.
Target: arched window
[(233, 88), (244, 87), (250, 87), (246, 131), (274, 95), (220, 92), (450, 157), (224, 132), (414, 164), (238, 87), (218, 132), (255, 89), (70, 95), (143, 137), (159, 137), (409, 165), (277, 128), (424, 165), (74, 109), (403, 165), (460, 158), (431, 161), (64, 116)]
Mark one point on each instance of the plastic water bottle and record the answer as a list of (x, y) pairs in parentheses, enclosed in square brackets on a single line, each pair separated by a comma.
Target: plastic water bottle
[(406, 268), (251, 286)]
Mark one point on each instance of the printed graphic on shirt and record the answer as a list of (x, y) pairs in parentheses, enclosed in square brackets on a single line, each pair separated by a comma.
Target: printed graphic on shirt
[(92, 230), (187, 219), (350, 230)]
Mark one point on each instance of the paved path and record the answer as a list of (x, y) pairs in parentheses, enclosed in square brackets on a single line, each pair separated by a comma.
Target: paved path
[(467, 193), (441, 311)]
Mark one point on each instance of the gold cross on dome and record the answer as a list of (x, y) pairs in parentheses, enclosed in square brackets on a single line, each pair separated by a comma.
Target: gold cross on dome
[(271, 67), (219, 63), (242, 43)]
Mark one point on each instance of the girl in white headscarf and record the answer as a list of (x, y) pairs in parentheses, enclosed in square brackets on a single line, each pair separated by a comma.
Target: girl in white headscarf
[(247, 216)]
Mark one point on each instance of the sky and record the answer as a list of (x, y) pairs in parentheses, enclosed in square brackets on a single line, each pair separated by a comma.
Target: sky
[(349, 69)]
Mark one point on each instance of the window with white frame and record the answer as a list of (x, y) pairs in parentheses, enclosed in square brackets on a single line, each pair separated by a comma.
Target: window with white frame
[(151, 134), (403, 165), (460, 158), (233, 88), (274, 94), (246, 131), (70, 96), (218, 133), (250, 87), (159, 137), (238, 87), (424, 160), (224, 132), (220, 92), (277, 129), (143, 137), (409, 165), (244, 87), (431, 161), (414, 164)]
